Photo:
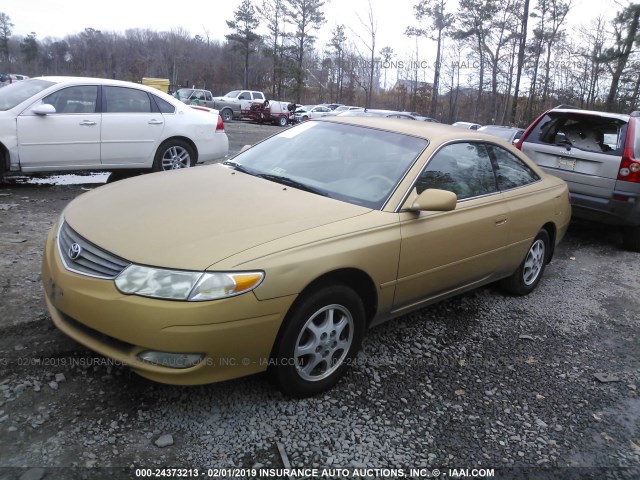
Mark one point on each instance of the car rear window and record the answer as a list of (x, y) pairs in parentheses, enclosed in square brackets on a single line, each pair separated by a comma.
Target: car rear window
[(591, 133)]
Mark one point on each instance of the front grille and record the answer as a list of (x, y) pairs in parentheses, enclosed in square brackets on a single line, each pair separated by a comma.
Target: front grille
[(91, 260)]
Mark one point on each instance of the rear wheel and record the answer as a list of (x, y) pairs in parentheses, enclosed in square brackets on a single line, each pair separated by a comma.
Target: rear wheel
[(174, 154), (282, 121), (321, 335), (227, 115), (631, 238), (525, 279)]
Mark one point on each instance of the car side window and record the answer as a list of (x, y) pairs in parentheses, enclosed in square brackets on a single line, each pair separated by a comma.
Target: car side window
[(78, 99), (126, 100), (244, 96), (258, 96), (164, 106), (462, 168), (208, 96), (511, 172)]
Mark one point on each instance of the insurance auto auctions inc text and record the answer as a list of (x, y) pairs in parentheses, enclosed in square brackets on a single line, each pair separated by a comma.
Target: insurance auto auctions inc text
[(357, 473)]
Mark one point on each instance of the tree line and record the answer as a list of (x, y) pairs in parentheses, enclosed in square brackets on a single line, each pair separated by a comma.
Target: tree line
[(496, 61)]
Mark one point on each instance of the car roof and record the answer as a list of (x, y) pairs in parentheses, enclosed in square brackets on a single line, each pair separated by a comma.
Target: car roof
[(426, 130), (62, 80)]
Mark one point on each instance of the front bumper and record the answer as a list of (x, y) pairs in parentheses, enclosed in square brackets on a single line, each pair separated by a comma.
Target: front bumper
[(235, 335)]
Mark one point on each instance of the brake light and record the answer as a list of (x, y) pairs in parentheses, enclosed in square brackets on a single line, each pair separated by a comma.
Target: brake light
[(526, 133), (630, 165), (220, 125)]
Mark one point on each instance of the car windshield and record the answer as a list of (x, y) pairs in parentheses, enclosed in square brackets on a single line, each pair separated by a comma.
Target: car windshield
[(232, 94), (185, 93), (351, 163), (18, 92)]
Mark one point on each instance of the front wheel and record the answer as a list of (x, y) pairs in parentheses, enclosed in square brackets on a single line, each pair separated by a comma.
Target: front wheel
[(320, 336), (525, 279), (282, 121), (174, 154)]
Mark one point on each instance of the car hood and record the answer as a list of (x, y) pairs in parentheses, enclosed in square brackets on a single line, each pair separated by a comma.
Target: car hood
[(193, 218)]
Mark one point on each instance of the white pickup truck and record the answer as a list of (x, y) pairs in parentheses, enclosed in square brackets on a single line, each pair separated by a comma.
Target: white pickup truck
[(234, 103)]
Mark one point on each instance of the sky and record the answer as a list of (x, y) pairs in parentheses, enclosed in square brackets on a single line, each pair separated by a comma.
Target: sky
[(59, 18)]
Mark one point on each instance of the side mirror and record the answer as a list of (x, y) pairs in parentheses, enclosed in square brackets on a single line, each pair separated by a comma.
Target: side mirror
[(434, 200), (44, 109), (246, 147)]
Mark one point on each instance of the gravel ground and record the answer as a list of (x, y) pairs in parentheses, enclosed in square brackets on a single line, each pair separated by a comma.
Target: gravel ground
[(544, 386)]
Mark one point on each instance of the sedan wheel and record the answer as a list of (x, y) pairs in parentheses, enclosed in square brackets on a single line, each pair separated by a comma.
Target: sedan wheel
[(172, 155), (525, 279), (319, 337)]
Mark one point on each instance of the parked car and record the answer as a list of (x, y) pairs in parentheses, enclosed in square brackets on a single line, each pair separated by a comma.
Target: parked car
[(469, 125), (510, 134), (195, 96), (9, 78), (76, 123), (372, 112), (344, 108), (283, 260), (598, 155), (237, 103), (308, 112)]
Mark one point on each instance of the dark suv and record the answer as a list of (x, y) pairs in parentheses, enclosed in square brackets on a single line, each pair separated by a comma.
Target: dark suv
[(598, 155)]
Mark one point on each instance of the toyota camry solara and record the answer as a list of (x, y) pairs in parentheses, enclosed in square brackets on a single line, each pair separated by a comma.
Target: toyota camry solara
[(281, 258)]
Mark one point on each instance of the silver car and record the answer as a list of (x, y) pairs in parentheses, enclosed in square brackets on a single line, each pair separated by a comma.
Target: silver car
[(598, 155)]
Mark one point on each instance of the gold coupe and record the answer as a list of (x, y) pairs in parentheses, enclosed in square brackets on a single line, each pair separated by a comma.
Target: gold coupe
[(281, 258)]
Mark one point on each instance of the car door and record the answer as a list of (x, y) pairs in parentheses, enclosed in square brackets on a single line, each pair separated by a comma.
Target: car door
[(131, 127), (518, 184), (443, 252), (245, 100), (68, 137)]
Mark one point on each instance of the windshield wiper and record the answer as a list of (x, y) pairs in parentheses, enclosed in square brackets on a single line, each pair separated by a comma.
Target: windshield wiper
[(291, 183), (238, 167)]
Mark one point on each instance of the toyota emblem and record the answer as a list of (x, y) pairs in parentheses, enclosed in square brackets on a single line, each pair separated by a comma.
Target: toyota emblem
[(74, 251)]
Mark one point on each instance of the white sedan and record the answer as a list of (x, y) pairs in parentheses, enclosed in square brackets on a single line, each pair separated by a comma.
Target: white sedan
[(76, 123)]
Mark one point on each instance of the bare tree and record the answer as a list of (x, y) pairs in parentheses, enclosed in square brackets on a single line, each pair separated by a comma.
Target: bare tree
[(244, 24), (522, 42), (337, 44), (306, 16), (370, 26), (626, 34), (5, 33), (274, 14), (473, 24), (434, 10)]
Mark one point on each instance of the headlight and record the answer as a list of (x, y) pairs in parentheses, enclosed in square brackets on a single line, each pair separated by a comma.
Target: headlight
[(183, 285)]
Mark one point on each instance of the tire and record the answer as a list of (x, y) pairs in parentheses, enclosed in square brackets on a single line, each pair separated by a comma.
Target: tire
[(526, 278), (305, 118), (631, 238), (282, 121), (174, 154), (318, 339), (227, 115)]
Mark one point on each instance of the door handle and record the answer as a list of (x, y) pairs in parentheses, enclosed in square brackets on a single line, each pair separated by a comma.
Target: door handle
[(155, 122), (87, 123), (500, 221)]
